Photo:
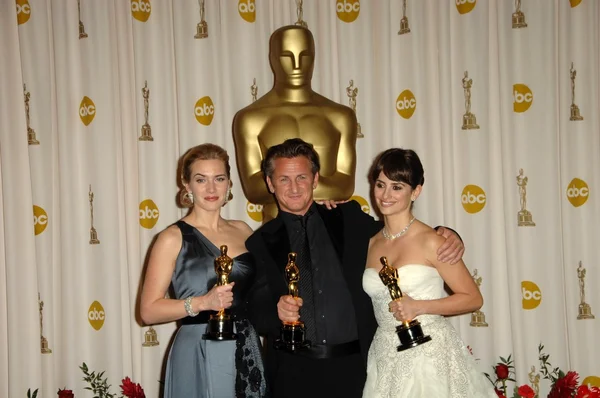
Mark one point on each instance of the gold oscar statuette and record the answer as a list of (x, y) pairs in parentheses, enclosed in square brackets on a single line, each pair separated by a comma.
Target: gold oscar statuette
[(293, 336), (534, 379), (575, 114), (300, 15), (404, 28), (518, 18), (524, 217), (291, 109), (409, 332), (469, 119), (254, 90), (82, 34), (352, 93), (202, 27), (93, 234), (150, 338), (43, 340), (31, 138), (477, 317), (585, 311), (220, 325), (146, 129)]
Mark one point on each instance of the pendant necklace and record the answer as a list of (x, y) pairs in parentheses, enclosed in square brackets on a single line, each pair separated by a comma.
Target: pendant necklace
[(389, 236)]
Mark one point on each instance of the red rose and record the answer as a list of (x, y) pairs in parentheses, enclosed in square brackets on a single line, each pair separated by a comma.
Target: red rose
[(502, 371), (65, 393), (131, 390), (526, 392), (499, 393), (588, 392)]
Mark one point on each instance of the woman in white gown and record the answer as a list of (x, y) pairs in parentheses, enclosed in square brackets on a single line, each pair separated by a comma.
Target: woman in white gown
[(442, 367)]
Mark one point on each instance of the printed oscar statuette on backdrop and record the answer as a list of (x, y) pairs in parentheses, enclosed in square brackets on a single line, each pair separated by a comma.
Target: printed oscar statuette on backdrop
[(352, 93), (31, 138), (43, 341), (293, 335), (534, 379), (93, 234), (469, 119), (524, 217), (150, 338), (585, 311), (254, 90), (220, 325), (575, 113), (477, 317), (146, 129), (518, 18), (409, 332), (202, 26), (82, 34), (300, 15), (404, 28)]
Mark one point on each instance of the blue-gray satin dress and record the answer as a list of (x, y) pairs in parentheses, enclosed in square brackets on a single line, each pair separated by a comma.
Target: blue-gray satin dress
[(199, 368)]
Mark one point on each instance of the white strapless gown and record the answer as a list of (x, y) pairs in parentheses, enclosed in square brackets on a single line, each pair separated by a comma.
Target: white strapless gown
[(442, 367)]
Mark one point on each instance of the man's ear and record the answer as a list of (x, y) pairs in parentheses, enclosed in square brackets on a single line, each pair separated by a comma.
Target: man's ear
[(270, 185), (316, 180)]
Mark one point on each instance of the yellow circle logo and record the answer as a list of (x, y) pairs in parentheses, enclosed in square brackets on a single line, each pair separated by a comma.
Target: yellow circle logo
[(574, 3), (522, 98), (578, 192), (247, 10), (23, 11), (40, 219), (473, 199), (87, 110), (141, 9), (96, 315), (465, 6), (148, 213), (532, 295), (406, 104), (591, 381), (254, 211), (364, 205), (204, 110), (347, 10)]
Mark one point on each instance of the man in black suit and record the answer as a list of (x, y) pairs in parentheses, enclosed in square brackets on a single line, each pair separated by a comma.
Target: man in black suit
[(332, 250)]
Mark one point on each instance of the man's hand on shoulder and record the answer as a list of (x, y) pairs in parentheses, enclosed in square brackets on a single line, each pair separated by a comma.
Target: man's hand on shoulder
[(452, 249)]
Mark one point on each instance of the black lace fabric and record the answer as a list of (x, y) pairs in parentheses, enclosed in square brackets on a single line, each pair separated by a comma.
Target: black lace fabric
[(250, 379)]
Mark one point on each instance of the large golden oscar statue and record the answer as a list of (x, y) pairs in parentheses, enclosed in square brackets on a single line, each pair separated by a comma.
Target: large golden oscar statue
[(291, 109)]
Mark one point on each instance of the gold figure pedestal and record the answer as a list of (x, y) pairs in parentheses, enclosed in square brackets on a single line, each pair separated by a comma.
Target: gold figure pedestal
[(300, 14), (478, 317), (409, 332), (518, 18), (584, 310), (31, 138), (43, 341), (93, 234), (82, 34), (352, 93), (469, 121), (202, 26), (292, 334), (146, 129), (291, 109), (220, 325), (524, 218), (404, 28), (575, 114), (150, 338)]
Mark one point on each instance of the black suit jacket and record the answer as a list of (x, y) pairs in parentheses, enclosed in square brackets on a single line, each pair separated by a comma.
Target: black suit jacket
[(350, 230)]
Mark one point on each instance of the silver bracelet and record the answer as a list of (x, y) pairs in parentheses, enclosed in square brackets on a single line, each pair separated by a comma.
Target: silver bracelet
[(187, 304)]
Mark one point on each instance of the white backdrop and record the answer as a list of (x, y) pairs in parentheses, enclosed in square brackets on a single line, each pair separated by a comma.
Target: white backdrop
[(86, 108)]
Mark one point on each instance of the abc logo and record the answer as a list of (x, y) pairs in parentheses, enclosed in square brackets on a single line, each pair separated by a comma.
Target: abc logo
[(522, 97), (40, 219), (254, 211), (347, 10), (473, 199), (148, 213), (23, 11), (578, 192), (532, 295), (591, 381), (96, 315), (140, 9), (574, 3), (364, 205), (247, 10), (465, 6), (87, 110), (406, 104), (204, 110)]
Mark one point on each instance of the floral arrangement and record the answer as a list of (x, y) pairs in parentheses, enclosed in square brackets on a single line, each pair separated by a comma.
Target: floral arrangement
[(563, 385)]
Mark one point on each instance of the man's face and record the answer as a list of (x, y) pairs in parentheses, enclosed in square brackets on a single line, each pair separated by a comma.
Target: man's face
[(293, 57), (293, 183)]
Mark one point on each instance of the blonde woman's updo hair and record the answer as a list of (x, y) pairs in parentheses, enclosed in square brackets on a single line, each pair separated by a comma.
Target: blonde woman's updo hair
[(201, 152)]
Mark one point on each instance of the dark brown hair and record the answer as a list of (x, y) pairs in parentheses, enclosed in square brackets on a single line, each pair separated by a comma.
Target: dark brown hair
[(401, 165), (289, 149)]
